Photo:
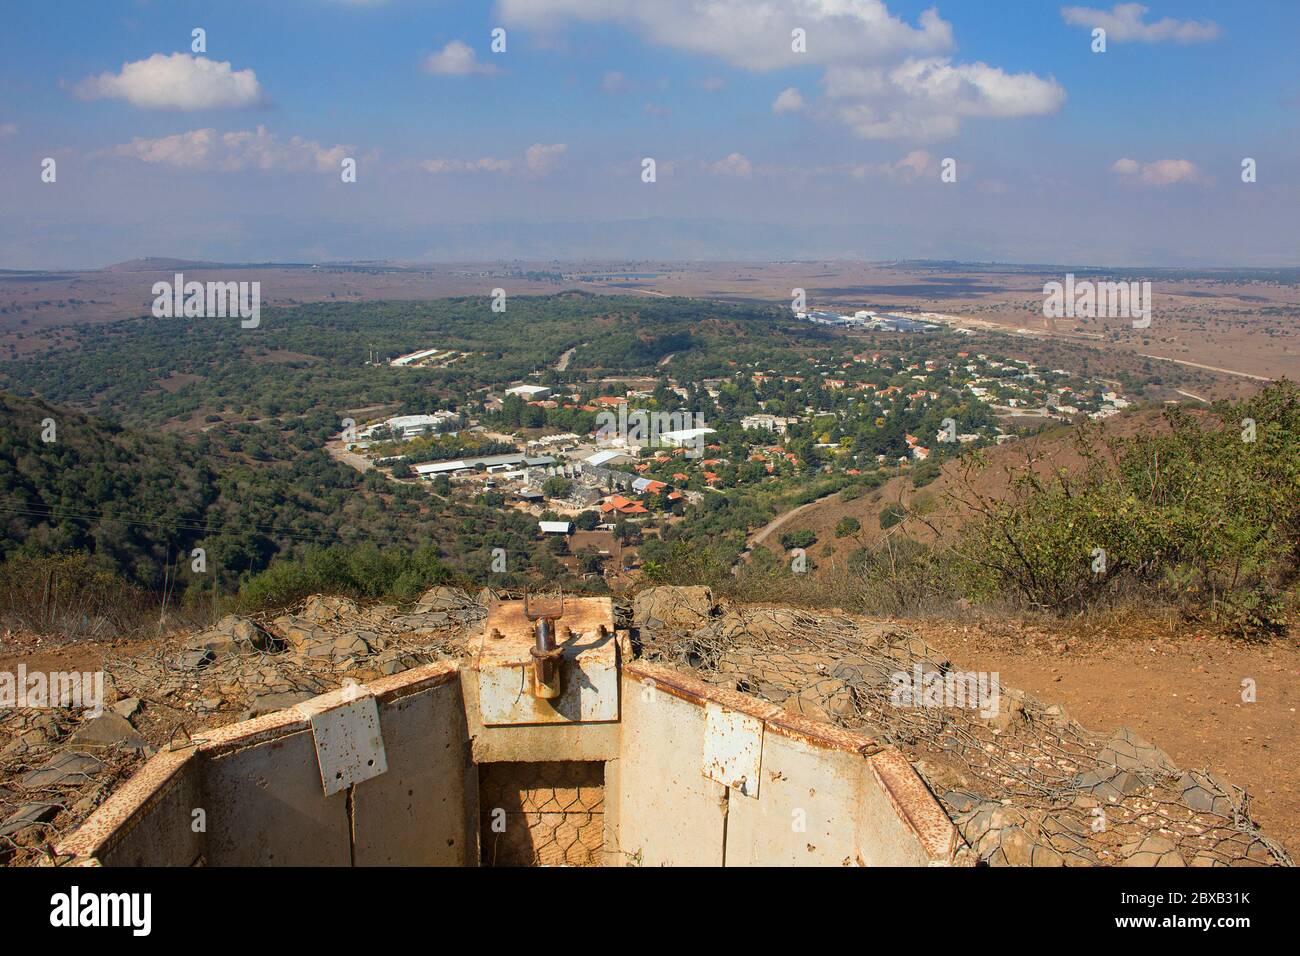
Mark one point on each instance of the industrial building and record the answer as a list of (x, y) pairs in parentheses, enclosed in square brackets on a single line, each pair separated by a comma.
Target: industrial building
[(434, 468)]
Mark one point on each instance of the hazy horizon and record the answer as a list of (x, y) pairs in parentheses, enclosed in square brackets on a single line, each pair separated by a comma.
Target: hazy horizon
[(536, 149)]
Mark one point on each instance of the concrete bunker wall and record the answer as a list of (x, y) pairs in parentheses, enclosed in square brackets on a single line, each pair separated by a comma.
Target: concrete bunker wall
[(251, 793), (690, 774), (813, 794)]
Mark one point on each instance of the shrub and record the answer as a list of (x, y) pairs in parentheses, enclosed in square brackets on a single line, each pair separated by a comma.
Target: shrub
[(803, 538), (1196, 514), (360, 572), (846, 526)]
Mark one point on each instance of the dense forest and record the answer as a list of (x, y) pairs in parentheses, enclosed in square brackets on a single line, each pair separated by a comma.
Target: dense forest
[(313, 358), (137, 504)]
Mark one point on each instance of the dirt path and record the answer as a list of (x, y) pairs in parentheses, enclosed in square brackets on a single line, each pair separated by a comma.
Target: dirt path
[(761, 535), (563, 363), (338, 453), (1208, 368), (1183, 694)]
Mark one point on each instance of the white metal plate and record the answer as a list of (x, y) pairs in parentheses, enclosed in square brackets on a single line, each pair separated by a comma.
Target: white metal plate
[(349, 745), (588, 692), (733, 748)]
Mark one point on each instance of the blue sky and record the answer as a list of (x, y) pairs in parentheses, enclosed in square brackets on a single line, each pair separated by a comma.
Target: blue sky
[(1127, 157)]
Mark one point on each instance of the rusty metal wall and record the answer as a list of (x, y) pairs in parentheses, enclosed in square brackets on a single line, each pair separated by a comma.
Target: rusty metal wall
[(541, 814)]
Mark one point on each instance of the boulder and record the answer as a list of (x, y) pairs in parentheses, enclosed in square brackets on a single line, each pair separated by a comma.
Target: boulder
[(107, 730), (1127, 751), (687, 607), (1017, 848), (127, 707), (444, 598), (1107, 784), (349, 645), (269, 703), (1151, 851), (320, 607), (27, 815), (773, 624), (194, 659), (301, 636), (1208, 793), (1010, 714), (249, 633), (962, 801), (233, 635), (427, 621), (827, 699), (60, 770)]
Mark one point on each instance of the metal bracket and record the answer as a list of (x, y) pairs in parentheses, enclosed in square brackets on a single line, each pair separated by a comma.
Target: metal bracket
[(733, 748), (349, 745)]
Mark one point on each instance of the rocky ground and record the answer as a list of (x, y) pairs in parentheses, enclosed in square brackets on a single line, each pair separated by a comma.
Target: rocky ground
[(1025, 785), (57, 765)]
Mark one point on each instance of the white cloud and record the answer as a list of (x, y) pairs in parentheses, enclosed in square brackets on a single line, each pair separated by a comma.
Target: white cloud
[(540, 159), (614, 82), (734, 164), (748, 34), (927, 99), (1162, 172), (8, 129), (886, 78), (789, 100), (914, 165), (178, 81), (259, 149), (712, 84), (456, 59), (1125, 22)]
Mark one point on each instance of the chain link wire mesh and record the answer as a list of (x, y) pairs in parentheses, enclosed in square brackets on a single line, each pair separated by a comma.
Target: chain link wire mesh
[(541, 814)]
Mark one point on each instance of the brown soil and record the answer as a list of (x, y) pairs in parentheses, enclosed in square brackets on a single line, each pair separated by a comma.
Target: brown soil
[(1178, 688)]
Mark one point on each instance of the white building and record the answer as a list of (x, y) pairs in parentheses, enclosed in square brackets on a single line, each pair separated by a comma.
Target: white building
[(410, 426), (414, 358), (609, 457), (530, 393), (683, 438), (772, 423)]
